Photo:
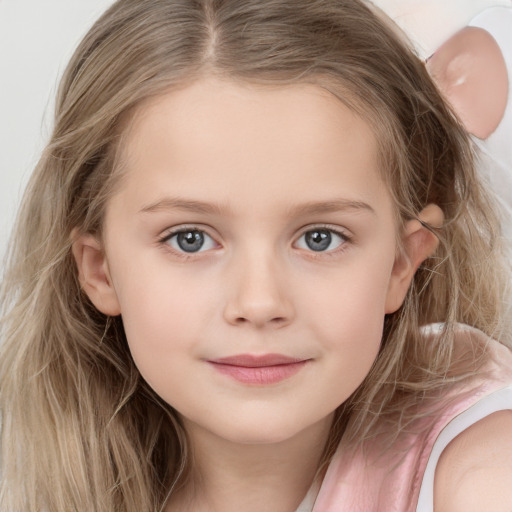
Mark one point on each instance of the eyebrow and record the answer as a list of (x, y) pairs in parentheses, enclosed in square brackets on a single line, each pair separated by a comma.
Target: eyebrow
[(177, 203), (311, 208), (332, 206)]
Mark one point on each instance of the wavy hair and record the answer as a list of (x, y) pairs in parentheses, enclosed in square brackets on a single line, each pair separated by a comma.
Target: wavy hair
[(81, 430)]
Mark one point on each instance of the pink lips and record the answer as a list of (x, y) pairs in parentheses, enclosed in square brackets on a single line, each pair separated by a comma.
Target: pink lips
[(264, 369)]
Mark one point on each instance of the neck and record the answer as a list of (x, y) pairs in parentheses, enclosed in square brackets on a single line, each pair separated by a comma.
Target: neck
[(229, 476)]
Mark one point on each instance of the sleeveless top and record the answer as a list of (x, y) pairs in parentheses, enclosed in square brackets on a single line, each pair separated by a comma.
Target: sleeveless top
[(402, 479)]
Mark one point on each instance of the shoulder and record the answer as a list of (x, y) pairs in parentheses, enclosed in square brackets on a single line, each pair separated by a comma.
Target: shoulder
[(474, 472)]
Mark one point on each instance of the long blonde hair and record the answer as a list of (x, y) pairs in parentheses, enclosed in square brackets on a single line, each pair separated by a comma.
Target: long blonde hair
[(80, 429)]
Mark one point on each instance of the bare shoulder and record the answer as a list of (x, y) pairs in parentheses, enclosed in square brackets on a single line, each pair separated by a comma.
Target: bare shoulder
[(474, 472)]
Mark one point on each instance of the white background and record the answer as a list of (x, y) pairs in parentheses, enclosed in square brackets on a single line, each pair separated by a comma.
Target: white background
[(37, 38)]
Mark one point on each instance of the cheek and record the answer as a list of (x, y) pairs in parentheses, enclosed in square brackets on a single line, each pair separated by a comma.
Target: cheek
[(349, 301), (348, 321), (163, 319)]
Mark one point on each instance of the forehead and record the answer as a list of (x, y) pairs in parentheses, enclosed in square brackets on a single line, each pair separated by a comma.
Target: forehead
[(228, 142)]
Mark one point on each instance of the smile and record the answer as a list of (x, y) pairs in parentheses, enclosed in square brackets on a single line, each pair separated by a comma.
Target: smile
[(259, 370)]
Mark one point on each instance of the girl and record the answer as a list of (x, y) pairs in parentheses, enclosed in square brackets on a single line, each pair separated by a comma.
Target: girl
[(223, 282)]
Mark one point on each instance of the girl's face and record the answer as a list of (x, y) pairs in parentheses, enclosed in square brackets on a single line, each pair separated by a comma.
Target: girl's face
[(251, 251)]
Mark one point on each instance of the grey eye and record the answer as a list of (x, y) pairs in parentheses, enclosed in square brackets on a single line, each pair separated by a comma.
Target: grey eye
[(320, 240), (191, 240)]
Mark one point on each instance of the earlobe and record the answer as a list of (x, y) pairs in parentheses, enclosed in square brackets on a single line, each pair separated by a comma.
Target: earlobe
[(93, 273), (419, 242)]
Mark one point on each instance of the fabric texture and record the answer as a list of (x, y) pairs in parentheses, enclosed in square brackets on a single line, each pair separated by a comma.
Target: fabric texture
[(401, 479)]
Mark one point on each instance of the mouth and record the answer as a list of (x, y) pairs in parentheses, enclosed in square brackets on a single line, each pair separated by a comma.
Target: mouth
[(258, 369)]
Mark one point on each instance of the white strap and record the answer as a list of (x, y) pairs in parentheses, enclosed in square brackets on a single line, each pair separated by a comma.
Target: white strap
[(308, 502)]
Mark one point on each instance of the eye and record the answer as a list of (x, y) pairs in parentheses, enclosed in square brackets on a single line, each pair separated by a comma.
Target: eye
[(190, 241), (321, 240)]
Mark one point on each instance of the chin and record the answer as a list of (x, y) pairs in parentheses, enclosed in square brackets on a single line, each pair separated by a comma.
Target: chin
[(264, 431)]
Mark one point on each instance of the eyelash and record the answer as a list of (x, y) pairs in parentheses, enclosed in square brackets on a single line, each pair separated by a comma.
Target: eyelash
[(170, 234), (346, 240), (343, 235)]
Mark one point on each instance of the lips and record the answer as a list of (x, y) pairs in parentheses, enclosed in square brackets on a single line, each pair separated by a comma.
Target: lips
[(258, 369)]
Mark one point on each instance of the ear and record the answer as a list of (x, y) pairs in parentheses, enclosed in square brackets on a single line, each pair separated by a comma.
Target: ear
[(93, 273), (471, 72), (418, 244)]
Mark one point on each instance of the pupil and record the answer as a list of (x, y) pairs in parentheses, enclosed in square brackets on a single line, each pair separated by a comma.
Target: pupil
[(190, 241), (318, 240)]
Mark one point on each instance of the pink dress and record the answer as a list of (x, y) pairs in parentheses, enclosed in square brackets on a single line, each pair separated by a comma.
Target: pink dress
[(403, 479)]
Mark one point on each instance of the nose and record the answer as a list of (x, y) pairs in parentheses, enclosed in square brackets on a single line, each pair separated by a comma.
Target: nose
[(258, 294)]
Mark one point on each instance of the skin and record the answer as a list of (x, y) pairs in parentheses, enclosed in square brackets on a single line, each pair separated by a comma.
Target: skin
[(255, 170), (475, 470)]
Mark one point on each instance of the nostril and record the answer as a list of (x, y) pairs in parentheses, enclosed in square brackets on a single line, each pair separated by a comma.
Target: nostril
[(258, 306), (276, 321)]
